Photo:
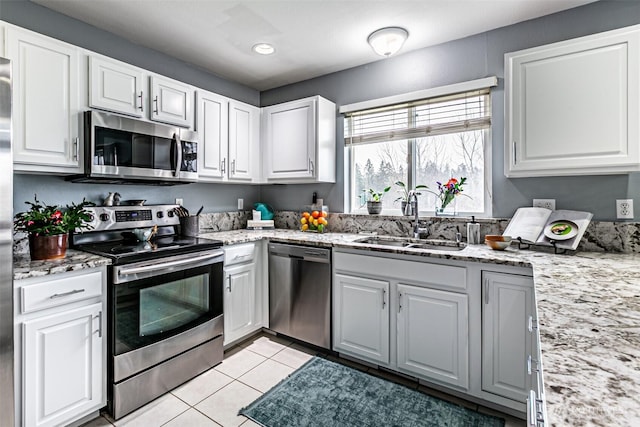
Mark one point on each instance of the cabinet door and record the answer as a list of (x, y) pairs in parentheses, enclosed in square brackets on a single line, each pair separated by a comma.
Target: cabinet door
[(361, 317), (62, 366), (213, 132), (114, 86), (506, 340), (46, 103), (171, 102), (239, 302), (433, 337), (244, 125), (573, 107), (290, 138)]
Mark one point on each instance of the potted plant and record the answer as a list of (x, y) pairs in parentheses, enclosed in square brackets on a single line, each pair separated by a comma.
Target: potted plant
[(404, 197), (48, 227), (374, 200)]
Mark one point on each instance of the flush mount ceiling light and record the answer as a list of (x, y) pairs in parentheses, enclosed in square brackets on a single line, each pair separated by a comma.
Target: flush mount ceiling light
[(387, 41), (263, 48)]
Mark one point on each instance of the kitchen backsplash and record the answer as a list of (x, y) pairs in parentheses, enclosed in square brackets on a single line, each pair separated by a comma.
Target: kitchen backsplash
[(600, 235)]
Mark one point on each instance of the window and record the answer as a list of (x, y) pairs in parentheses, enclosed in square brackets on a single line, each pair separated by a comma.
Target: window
[(421, 142)]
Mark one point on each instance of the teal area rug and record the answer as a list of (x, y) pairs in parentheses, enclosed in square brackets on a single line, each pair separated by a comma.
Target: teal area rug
[(324, 393)]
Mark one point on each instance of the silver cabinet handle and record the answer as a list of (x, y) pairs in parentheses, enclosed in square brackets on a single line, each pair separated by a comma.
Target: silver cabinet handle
[(531, 409), (242, 256), (99, 317), (224, 165), (76, 151), (399, 302), (155, 105), (66, 294), (486, 291), (141, 105), (529, 365), (310, 166), (233, 166), (229, 283), (384, 297), (515, 158), (532, 325)]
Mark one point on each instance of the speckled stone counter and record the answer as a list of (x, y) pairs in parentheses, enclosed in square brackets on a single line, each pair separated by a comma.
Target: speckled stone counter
[(23, 267), (589, 316)]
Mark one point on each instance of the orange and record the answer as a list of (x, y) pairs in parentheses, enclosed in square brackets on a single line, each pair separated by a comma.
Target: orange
[(324, 214), (305, 214), (315, 214)]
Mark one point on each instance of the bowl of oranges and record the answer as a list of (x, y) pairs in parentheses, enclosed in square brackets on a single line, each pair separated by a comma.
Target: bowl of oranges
[(314, 220)]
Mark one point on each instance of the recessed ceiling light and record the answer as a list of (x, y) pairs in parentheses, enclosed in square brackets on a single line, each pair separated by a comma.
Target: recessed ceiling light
[(263, 49), (387, 41)]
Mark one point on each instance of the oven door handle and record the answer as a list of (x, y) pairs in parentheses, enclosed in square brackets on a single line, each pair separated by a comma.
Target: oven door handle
[(168, 264), (179, 149)]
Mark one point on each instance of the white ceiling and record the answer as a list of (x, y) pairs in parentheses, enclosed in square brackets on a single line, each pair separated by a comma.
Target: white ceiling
[(311, 37)]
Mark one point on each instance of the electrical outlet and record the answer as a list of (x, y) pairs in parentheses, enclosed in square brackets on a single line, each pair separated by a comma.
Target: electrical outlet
[(240, 203), (624, 208), (545, 203), (180, 202)]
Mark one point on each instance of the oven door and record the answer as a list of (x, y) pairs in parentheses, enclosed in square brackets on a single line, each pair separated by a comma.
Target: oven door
[(163, 307)]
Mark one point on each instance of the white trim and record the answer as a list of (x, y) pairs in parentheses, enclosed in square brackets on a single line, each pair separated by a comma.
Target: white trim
[(421, 94)]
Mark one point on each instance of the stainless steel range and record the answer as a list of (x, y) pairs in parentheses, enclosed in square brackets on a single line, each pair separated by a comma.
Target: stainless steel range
[(164, 302)]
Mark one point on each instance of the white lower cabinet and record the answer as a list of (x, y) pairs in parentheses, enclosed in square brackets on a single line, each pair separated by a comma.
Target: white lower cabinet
[(361, 317), (243, 291), (433, 334), (506, 337), (63, 365), (60, 347)]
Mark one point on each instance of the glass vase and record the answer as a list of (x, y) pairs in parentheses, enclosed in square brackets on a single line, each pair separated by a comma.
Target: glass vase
[(449, 210)]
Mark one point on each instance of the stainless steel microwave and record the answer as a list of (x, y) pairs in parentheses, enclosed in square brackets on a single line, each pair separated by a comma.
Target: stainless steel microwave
[(125, 150)]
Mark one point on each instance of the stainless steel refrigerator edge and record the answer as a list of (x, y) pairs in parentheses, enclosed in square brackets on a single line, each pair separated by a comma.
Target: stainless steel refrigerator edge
[(6, 250)]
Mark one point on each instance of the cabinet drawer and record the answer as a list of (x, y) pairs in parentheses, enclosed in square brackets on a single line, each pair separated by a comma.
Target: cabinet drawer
[(60, 291), (239, 253)]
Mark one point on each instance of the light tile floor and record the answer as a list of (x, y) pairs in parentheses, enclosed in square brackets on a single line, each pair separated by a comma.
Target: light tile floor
[(214, 398)]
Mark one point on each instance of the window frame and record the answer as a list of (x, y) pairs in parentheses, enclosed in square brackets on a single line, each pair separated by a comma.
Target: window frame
[(349, 158)]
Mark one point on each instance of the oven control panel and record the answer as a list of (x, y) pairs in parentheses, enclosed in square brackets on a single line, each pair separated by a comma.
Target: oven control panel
[(126, 217)]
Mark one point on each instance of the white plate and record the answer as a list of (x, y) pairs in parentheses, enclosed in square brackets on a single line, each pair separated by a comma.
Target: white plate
[(570, 230)]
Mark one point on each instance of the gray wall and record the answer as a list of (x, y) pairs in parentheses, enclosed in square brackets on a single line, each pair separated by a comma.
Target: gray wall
[(54, 190), (467, 59)]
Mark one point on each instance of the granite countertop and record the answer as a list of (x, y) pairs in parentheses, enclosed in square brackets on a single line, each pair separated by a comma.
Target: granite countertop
[(589, 316), (24, 268), (588, 306)]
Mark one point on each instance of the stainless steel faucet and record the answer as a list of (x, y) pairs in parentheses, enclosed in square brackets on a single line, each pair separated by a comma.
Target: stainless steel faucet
[(413, 202)]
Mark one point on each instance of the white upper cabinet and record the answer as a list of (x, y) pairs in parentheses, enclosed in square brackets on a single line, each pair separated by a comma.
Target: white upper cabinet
[(46, 103), (244, 141), (572, 107), (115, 86), (171, 102), (229, 132), (213, 132), (299, 141)]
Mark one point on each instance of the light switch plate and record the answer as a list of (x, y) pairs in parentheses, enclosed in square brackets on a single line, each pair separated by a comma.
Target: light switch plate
[(180, 202), (545, 203), (624, 208), (240, 203)]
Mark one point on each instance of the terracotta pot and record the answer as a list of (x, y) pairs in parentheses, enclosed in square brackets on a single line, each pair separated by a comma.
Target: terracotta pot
[(47, 247)]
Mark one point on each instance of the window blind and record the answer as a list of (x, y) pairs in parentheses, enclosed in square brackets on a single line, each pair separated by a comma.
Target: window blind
[(417, 119)]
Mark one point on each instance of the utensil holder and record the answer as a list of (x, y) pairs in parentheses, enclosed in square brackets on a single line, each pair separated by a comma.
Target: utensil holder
[(189, 226)]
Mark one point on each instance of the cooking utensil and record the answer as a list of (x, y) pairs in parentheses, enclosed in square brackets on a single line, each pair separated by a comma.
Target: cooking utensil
[(199, 210), (181, 211)]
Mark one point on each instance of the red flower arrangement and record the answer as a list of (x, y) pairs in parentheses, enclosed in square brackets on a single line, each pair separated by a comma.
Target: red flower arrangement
[(448, 191), (45, 220)]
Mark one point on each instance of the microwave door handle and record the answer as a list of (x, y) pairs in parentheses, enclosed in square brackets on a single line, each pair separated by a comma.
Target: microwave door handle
[(176, 138)]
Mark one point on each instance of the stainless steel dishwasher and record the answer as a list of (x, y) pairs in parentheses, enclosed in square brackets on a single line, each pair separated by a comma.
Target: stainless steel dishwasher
[(300, 293)]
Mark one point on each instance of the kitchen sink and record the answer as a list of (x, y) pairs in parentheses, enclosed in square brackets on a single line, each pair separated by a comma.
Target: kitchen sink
[(401, 242)]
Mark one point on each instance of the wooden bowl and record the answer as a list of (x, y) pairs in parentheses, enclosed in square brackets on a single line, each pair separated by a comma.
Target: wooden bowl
[(497, 242)]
